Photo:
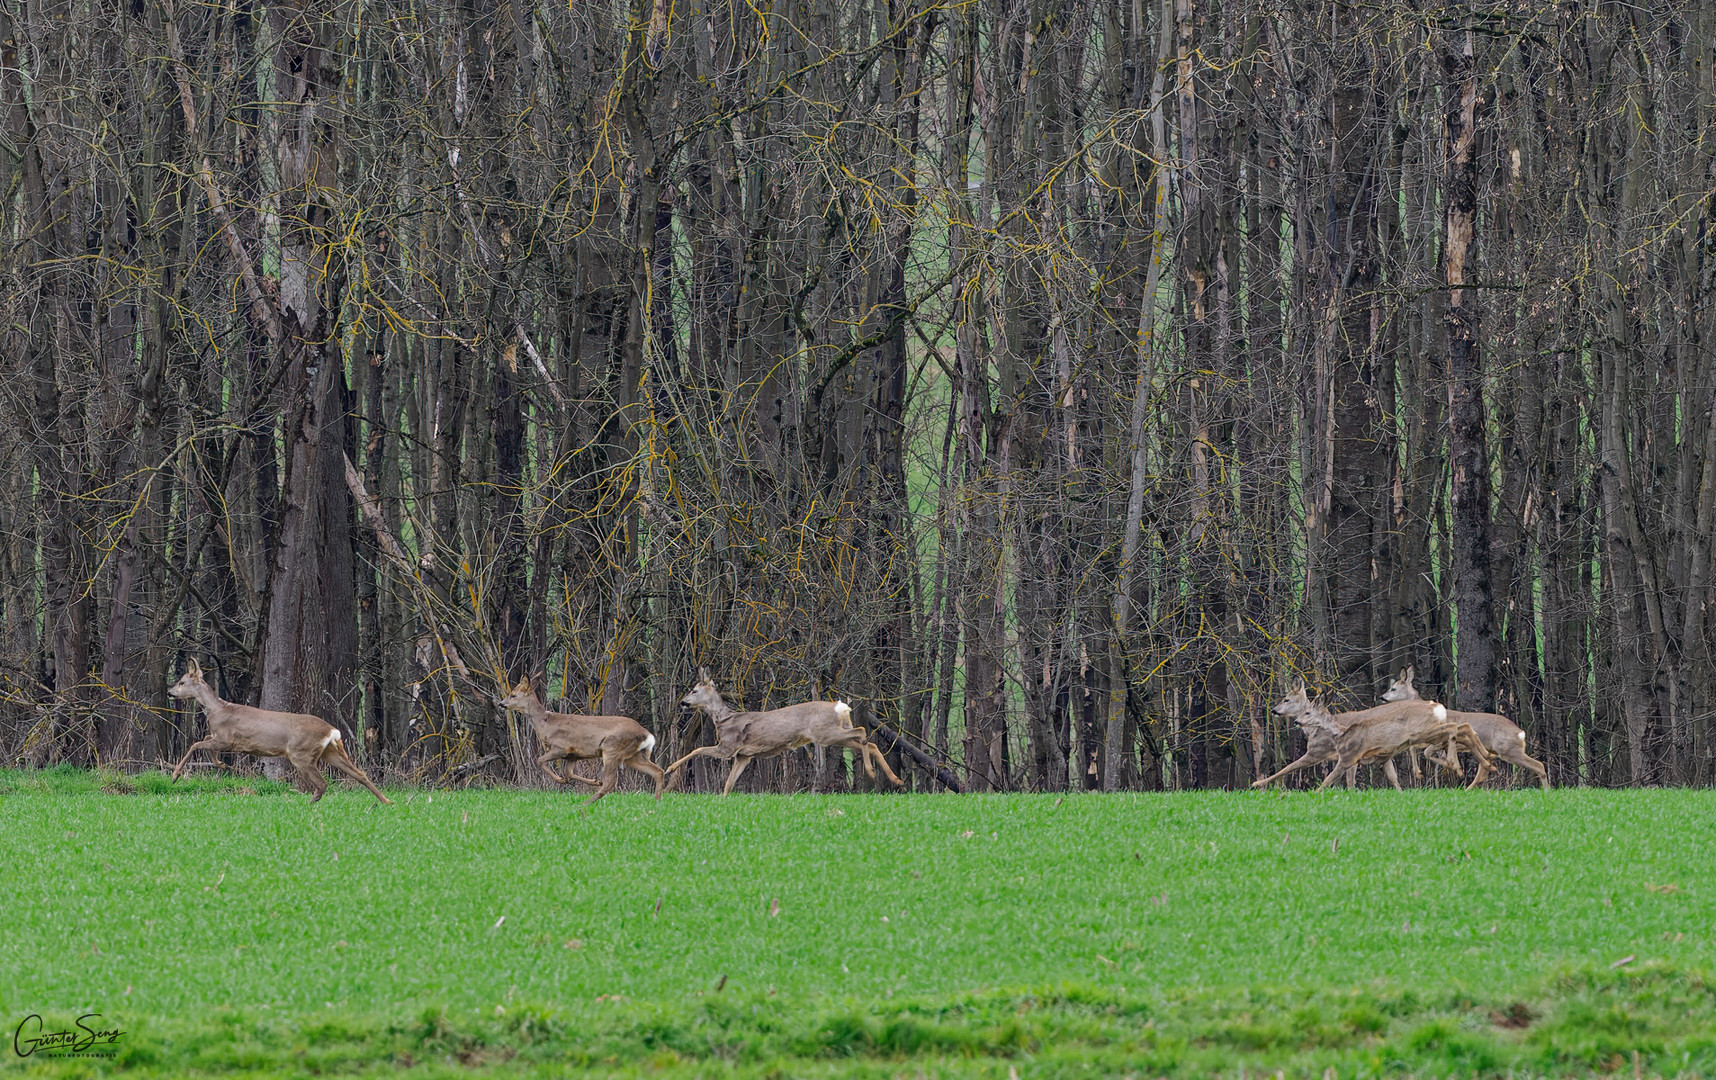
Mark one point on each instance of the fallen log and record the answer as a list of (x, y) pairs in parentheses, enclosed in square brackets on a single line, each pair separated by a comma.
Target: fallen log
[(887, 741)]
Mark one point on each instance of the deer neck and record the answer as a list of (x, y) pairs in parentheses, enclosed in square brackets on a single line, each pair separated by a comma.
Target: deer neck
[(537, 713), (720, 711), (212, 703)]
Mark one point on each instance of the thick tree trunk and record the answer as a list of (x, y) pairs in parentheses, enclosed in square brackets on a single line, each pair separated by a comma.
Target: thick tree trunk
[(1467, 445), (310, 662)]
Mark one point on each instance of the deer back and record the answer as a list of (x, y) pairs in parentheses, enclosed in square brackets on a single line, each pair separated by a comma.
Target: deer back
[(756, 733), (248, 730), (1396, 726), (578, 735), (1494, 729)]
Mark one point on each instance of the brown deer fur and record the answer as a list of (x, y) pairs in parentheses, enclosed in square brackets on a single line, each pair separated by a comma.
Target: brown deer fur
[(308, 742), (616, 740), (742, 736)]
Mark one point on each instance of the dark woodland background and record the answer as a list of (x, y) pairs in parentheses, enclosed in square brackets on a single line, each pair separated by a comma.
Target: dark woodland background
[(1061, 380)]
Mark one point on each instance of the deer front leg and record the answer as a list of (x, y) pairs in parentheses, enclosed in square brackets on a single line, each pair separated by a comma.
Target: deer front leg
[(1393, 777), (1305, 761), (546, 761), (1412, 756), (206, 744), (739, 763), (1345, 765), (701, 751), (1468, 738)]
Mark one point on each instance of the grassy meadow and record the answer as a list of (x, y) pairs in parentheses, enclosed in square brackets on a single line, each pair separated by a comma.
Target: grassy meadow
[(231, 928)]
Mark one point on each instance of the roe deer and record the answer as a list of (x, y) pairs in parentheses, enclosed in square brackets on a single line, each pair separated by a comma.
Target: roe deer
[(1379, 732), (745, 735), (1387, 730), (1501, 736), (1320, 738), (568, 737), (306, 741)]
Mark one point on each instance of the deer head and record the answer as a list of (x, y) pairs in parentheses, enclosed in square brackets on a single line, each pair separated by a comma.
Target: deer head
[(520, 698), (188, 683), (1295, 704), (1401, 689), (704, 695)]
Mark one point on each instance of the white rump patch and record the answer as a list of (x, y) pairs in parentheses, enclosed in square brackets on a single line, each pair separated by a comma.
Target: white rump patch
[(647, 745), (1521, 735), (333, 737), (843, 713), (1440, 712)]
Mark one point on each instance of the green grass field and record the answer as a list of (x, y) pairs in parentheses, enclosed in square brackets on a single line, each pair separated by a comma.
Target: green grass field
[(230, 927)]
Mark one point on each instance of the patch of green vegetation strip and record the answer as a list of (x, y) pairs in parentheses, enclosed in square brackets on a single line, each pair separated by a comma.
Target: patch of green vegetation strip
[(1436, 932)]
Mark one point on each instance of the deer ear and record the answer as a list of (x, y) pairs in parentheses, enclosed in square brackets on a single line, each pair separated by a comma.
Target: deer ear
[(1406, 676), (195, 668), (703, 675)]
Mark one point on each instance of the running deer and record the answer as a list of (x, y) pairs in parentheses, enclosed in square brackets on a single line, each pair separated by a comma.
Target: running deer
[(1501, 736), (1320, 740), (306, 741), (742, 736), (1386, 730), (568, 737), (1375, 733)]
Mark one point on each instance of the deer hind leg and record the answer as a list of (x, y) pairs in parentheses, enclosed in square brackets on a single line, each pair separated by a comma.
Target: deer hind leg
[(1412, 756), (1441, 758), (1513, 750), (856, 744), (1525, 760), (206, 744), (739, 763), (336, 756), (641, 762), (872, 750)]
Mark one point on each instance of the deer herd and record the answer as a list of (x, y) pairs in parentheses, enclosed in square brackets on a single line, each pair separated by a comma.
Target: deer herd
[(1403, 723)]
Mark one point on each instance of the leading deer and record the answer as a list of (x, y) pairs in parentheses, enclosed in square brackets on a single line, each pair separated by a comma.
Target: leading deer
[(742, 736), (569, 737), (1501, 736), (306, 741)]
